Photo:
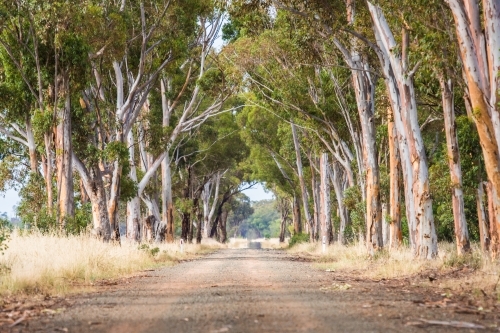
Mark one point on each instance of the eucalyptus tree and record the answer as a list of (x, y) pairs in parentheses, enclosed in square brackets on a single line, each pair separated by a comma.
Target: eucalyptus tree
[(479, 44)]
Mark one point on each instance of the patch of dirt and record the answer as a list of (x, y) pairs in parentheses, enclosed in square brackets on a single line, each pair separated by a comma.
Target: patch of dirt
[(251, 290)]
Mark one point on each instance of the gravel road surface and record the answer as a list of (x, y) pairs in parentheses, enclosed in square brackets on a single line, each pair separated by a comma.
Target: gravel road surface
[(246, 290)]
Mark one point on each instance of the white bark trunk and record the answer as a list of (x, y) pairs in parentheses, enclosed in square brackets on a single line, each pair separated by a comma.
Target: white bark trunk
[(65, 191), (134, 205), (325, 215), (303, 188), (461, 232), (402, 96), (480, 52)]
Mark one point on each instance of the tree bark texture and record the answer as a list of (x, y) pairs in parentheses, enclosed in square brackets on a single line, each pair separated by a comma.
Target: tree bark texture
[(325, 215), (399, 80), (65, 191), (480, 52), (134, 204), (303, 188), (457, 195), (337, 181), (396, 236), (484, 231), (364, 88), (297, 221)]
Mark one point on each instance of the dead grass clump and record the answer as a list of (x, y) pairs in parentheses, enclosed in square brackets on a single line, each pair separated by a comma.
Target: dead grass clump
[(385, 264), (53, 264)]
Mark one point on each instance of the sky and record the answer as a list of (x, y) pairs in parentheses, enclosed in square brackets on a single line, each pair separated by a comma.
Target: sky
[(7, 201), (10, 198), (257, 193)]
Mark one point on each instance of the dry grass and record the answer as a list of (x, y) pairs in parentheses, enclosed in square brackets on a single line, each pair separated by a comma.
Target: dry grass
[(401, 263), (51, 264)]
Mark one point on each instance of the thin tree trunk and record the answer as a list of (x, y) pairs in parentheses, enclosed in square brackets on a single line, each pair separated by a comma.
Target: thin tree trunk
[(199, 218), (64, 166), (336, 180), (223, 230), (48, 170), (386, 226), (30, 139), (134, 204), (94, 186), (396, 236), (494, 232), (284, 211), (325, 214), (297, 222), (484, 232), (303, 188), (315, 191), (457, 196)]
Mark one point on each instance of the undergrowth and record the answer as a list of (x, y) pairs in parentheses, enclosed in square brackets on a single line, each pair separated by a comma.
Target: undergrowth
[(52, 264)]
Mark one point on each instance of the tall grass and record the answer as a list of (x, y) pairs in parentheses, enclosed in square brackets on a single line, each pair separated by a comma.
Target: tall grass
[(53, 264), (396, 263)]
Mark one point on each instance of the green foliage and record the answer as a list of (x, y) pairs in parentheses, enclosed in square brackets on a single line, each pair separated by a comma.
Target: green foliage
[(151, 251), (357, 209), (257, 219), (4, 233), (298, 238), (472, 260), (472, 165)]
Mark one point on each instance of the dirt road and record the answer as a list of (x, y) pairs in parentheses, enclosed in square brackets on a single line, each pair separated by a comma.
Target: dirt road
[(249, 290)]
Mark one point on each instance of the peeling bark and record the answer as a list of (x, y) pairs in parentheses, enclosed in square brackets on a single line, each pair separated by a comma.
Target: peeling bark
[(305, 194), (65, 191), (480, 52), (325, 215), (396, 236), (484, 232), (401, 92), (461, 231)]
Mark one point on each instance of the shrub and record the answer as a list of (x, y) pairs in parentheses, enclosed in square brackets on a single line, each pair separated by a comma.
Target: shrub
[(298, 238), (4, 234)]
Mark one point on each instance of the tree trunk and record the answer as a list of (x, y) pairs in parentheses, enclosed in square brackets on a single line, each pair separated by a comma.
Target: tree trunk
[(297, 223), (223, 230), (336, 180), (315, 192), (484, 232), (364, 87), (480, 53), (303, 188), (399, 80), (284, 211), (396, 236), (134, 204), (457, 196), (64, 166), (325, 214), (199, 231), (48, 170), (167, 201), (494, 232), (113, 201), (30, 138), (386, 226), (84, 197)]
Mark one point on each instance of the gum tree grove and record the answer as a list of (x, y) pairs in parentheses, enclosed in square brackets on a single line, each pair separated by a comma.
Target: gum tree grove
[(370, 121)]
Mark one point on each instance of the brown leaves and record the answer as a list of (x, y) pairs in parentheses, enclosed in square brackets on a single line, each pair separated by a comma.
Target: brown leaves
[(15, 311)]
